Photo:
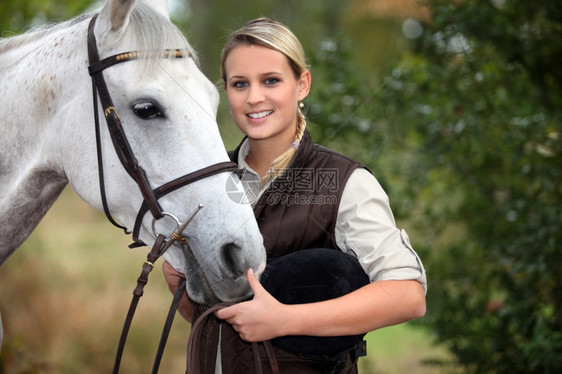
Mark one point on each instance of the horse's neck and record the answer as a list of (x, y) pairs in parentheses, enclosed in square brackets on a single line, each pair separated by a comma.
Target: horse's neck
[(38, 80), (20, 214)]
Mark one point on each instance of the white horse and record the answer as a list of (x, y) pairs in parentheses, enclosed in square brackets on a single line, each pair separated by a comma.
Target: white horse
[(168, 111)]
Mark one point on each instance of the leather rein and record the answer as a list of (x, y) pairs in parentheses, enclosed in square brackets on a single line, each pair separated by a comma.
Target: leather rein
[(137, 173)]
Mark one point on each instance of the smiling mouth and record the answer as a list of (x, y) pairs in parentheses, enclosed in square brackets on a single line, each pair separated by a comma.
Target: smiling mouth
[(260, 114)]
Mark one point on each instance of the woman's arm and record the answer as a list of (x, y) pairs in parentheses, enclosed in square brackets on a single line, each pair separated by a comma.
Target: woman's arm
[(376, 305)]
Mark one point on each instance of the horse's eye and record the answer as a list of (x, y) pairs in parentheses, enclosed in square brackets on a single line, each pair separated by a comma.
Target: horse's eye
[(147, 110)]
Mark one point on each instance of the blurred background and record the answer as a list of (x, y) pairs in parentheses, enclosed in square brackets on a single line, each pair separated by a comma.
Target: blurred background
[(455, 108)]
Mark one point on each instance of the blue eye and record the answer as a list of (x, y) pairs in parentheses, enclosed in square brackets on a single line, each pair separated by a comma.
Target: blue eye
[(240, 84), (271, 81)]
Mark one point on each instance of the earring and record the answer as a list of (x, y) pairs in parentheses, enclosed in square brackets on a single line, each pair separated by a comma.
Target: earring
[(301, 105)]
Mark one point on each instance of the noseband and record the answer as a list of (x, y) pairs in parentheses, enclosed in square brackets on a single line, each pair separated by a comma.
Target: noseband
[(137, 173)]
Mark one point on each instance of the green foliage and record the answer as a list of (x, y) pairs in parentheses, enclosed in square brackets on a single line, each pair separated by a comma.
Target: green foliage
[(483, 103)]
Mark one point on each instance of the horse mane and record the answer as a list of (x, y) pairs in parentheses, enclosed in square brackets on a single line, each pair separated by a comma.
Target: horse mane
[(151, 30), (38, 33)]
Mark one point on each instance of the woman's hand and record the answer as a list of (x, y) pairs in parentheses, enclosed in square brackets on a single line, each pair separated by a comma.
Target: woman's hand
[(258, 319), (173, 277)]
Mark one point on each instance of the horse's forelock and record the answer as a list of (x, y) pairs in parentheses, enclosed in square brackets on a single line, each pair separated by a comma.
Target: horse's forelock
[(154, 32)]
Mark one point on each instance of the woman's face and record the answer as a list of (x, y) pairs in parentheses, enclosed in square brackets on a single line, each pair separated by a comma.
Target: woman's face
[(263, 93)]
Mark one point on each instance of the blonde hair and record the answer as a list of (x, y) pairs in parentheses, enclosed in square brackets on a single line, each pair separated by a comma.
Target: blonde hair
[(274, 35)]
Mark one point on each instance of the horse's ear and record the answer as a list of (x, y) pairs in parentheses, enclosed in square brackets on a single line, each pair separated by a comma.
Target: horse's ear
[(115, 14)]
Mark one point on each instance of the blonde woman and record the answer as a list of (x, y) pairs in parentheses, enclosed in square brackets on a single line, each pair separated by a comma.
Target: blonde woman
[(313, 206)]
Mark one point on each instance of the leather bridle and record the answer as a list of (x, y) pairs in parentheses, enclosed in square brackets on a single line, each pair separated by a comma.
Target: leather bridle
[(137, 173), (121, 144)]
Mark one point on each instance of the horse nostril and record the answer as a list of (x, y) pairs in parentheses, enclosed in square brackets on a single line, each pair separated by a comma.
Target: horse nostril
[(233, 259)]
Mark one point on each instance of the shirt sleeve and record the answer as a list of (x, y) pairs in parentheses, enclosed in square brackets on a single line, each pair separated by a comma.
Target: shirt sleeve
[(366, 229)]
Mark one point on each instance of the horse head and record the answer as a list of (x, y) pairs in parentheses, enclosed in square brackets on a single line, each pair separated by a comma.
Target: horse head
[(167, 109)]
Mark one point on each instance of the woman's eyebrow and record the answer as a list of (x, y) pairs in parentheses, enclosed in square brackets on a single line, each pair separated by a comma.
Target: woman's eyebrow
[(260, 75)]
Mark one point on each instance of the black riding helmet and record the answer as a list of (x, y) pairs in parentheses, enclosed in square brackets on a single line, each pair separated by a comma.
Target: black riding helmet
[(313, 275)]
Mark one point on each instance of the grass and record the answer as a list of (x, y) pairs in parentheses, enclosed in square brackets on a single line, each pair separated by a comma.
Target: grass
[(401, 349), (65, 293)]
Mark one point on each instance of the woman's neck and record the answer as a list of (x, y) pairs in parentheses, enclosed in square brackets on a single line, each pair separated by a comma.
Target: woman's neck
[(263, 153)]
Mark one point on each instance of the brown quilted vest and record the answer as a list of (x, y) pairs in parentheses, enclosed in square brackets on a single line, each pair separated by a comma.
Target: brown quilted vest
[(298, 211), (300, 208)]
